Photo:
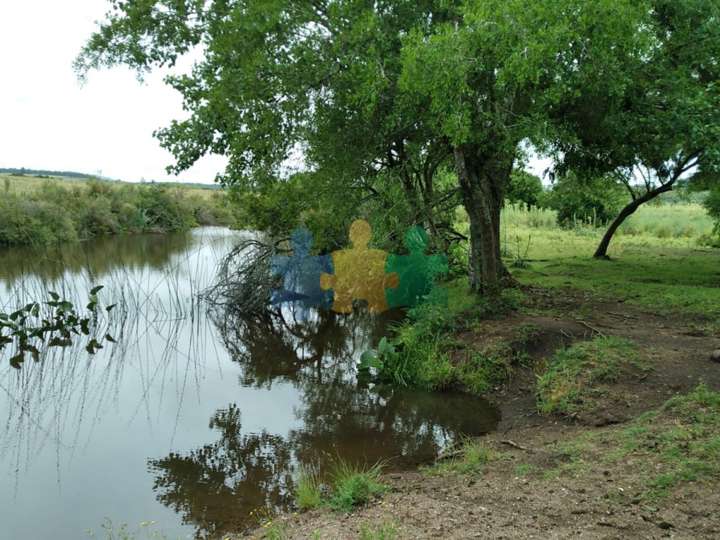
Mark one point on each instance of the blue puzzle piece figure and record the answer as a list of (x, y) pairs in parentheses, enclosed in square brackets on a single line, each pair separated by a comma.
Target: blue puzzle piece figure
[(417, 271), (301, 274)]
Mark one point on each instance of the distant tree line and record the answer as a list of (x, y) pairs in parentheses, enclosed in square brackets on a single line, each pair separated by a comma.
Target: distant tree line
[(42, 172)]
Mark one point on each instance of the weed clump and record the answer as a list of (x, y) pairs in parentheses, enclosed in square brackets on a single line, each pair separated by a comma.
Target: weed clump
[(350, 486), (574, 373)]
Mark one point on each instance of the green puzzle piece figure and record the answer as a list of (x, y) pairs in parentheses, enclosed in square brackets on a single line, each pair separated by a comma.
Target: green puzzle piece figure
[(417, 271)]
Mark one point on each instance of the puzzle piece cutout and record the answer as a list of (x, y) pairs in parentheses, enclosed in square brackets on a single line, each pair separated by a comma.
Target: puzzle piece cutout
[(301, 274), (417, 271), (359, 273)]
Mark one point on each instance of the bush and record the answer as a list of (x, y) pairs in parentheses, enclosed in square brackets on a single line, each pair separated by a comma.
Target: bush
[(587, 202), (57, 211), (712, 204), (525, 188)]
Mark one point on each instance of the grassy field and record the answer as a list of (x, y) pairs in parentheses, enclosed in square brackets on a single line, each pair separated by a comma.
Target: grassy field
[(659, 259), (49, 210)]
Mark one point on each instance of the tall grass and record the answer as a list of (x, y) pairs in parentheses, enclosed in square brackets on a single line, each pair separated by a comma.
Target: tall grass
[(50, 211)]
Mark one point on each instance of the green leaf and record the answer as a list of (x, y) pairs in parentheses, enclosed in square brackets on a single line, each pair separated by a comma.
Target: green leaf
[(16, 360), (96, 290)]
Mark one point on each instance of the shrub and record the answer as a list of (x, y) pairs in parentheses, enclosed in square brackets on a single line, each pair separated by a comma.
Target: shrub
[(525, 188), (53, 211), (594, 201), (712, 204)]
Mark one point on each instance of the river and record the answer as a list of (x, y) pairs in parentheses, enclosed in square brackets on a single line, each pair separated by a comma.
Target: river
[(194, 420)]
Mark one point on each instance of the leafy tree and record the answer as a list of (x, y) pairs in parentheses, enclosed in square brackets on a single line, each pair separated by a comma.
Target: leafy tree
[(712, 203), (663, 125), (592, 200), (524, 188), (360, 89)]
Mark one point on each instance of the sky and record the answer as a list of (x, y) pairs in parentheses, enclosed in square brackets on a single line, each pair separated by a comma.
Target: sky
[(49, 120)]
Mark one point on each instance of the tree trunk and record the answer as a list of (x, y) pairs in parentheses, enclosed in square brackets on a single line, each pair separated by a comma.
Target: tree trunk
[(482, 182), (629, 210)]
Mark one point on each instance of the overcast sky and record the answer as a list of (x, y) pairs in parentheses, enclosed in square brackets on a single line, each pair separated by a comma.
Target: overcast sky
[(49, 121)]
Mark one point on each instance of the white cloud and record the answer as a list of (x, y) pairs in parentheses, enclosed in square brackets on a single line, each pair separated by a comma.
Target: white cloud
[(49, 121)]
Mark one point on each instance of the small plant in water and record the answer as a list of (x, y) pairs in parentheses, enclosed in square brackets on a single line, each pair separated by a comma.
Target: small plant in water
[(51, 324)]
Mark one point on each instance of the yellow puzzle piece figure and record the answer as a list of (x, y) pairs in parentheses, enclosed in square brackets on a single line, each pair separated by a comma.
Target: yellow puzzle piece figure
[(359, 273)]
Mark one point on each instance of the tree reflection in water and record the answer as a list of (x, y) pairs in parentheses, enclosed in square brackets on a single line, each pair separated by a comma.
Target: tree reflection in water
[(218, 486)]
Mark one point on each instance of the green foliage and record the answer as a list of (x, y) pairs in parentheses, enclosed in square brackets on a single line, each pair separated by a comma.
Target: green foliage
[(55, 323), (573, 374), (594, 201), (670, 446), (350, 486), (354, 486), (525, 188), (471, 458), (54, 212), (382, 96), (712, 204), (418, 354), (275, 531), (307, 491)]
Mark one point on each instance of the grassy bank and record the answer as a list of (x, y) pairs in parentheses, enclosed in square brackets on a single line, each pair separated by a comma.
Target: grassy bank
[(660, 261), (46, 211)]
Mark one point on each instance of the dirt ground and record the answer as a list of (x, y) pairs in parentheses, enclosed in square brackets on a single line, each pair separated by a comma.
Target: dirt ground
[(603, 501)]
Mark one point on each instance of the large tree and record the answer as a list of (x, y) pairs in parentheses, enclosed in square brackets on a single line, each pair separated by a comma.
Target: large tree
[(665, 125), (360, 86)]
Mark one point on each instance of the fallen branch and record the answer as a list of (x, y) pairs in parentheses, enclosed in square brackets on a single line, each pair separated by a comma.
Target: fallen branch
[(590, 327), (518, 446)]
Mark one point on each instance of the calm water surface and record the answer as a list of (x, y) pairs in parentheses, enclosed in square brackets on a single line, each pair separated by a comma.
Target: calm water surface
[(195, 419)]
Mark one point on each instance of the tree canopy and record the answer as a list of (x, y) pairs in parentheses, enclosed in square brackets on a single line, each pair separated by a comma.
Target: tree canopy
[(368, 96)]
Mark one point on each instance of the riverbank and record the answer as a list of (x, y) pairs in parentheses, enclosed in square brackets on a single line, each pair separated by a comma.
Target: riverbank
[(610, 406), (49, 211)]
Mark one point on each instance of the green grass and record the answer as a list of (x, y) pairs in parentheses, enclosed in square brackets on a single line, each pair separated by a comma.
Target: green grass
[(659, 259), (307, 493), (418, 355), (677, 444), (525, 469), (350, 486), (50, 211), (275, 530), (471, 459), (354, 486), (688, 449), (573, 374)]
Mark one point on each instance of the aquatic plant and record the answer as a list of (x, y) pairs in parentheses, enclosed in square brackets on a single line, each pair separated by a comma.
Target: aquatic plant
[(54, 323)]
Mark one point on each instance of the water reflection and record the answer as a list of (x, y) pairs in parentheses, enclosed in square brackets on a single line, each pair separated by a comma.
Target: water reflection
[(194, 419), (219, 486), (98, 257), (215, 486)]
